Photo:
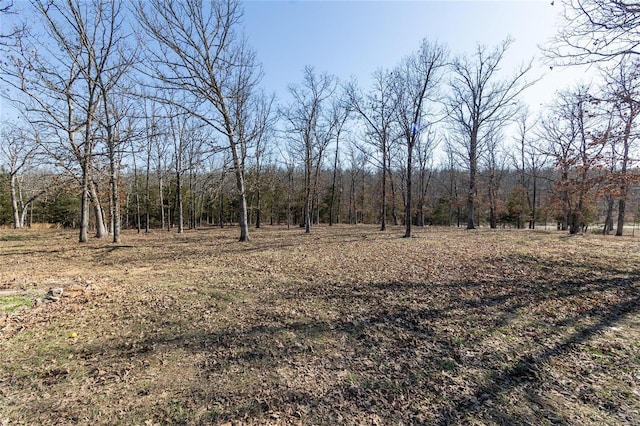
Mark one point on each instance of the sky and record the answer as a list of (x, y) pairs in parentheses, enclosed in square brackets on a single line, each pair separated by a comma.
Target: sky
[(354, 38), (351, 39)]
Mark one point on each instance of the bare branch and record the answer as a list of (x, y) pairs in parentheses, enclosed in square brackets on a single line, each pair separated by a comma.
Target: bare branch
[(596, 31)]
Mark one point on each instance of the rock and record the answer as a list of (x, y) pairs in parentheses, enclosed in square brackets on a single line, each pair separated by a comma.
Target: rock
[(53, 295)]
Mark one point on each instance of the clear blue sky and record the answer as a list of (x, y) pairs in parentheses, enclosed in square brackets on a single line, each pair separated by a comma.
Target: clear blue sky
[(353, 38)]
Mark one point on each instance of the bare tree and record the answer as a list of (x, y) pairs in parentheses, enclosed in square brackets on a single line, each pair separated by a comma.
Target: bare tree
[(310, 124), (161, 146), (357, 162), (424, 150), (18, 150), (150, 115), (493, 160), (377, 110), (199, 53), (62, 82), (187, 142), (528, 160), (195, 154), (259, 122), (417, 81), (608, 188), (395, 163), (590, 144), (622, 92), (596, 31), (575, 134), (560, 131), (118, 124), (452, 182), (480, 103), (518, 160), (340, 112)]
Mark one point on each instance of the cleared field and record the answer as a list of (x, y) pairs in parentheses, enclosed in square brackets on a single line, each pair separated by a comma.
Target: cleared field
[(347, 325)]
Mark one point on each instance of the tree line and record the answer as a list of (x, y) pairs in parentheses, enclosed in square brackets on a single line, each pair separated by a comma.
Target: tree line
[(165, 125)]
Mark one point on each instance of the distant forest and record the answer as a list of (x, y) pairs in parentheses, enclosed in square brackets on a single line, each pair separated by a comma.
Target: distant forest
[(164, 125), (209, 199)]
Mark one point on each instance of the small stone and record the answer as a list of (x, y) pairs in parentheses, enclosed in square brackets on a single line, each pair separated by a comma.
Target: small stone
[(54, 294)]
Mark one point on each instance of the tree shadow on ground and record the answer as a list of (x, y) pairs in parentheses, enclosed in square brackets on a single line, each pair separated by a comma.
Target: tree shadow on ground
[(410, 352)]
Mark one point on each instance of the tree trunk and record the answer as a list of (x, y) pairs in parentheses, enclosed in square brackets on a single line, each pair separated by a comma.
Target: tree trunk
[(532, 221), (623, 172), (565, 201), (362, 200), (244, 225), (147, 195), (84, 205), (473, 167), (221, 209), (575, 226), (316, 195), (333, 185), (138, 217), (239, 171), (420, 216), (394, 210), (290, 182), (14, 203), (258, 207), (493, 217), (408, 215), (623, 188), (383, 209), (307, 212), (621, 211), (472, 186), (23, 215), (423, 195), (608, 220), (115, 212), (192, 201), (179, 202), (307, 190), (577, 220), (352, 199), (101, 227), (161, 200)]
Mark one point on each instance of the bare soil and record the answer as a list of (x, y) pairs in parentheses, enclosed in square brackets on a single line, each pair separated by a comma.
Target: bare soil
[(347, 325)]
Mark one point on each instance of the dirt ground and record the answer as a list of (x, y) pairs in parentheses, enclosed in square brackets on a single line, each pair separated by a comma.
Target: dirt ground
[(347, 325)]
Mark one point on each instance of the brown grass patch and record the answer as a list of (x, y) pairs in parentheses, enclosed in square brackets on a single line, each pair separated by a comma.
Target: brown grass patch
[(347, 325)]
